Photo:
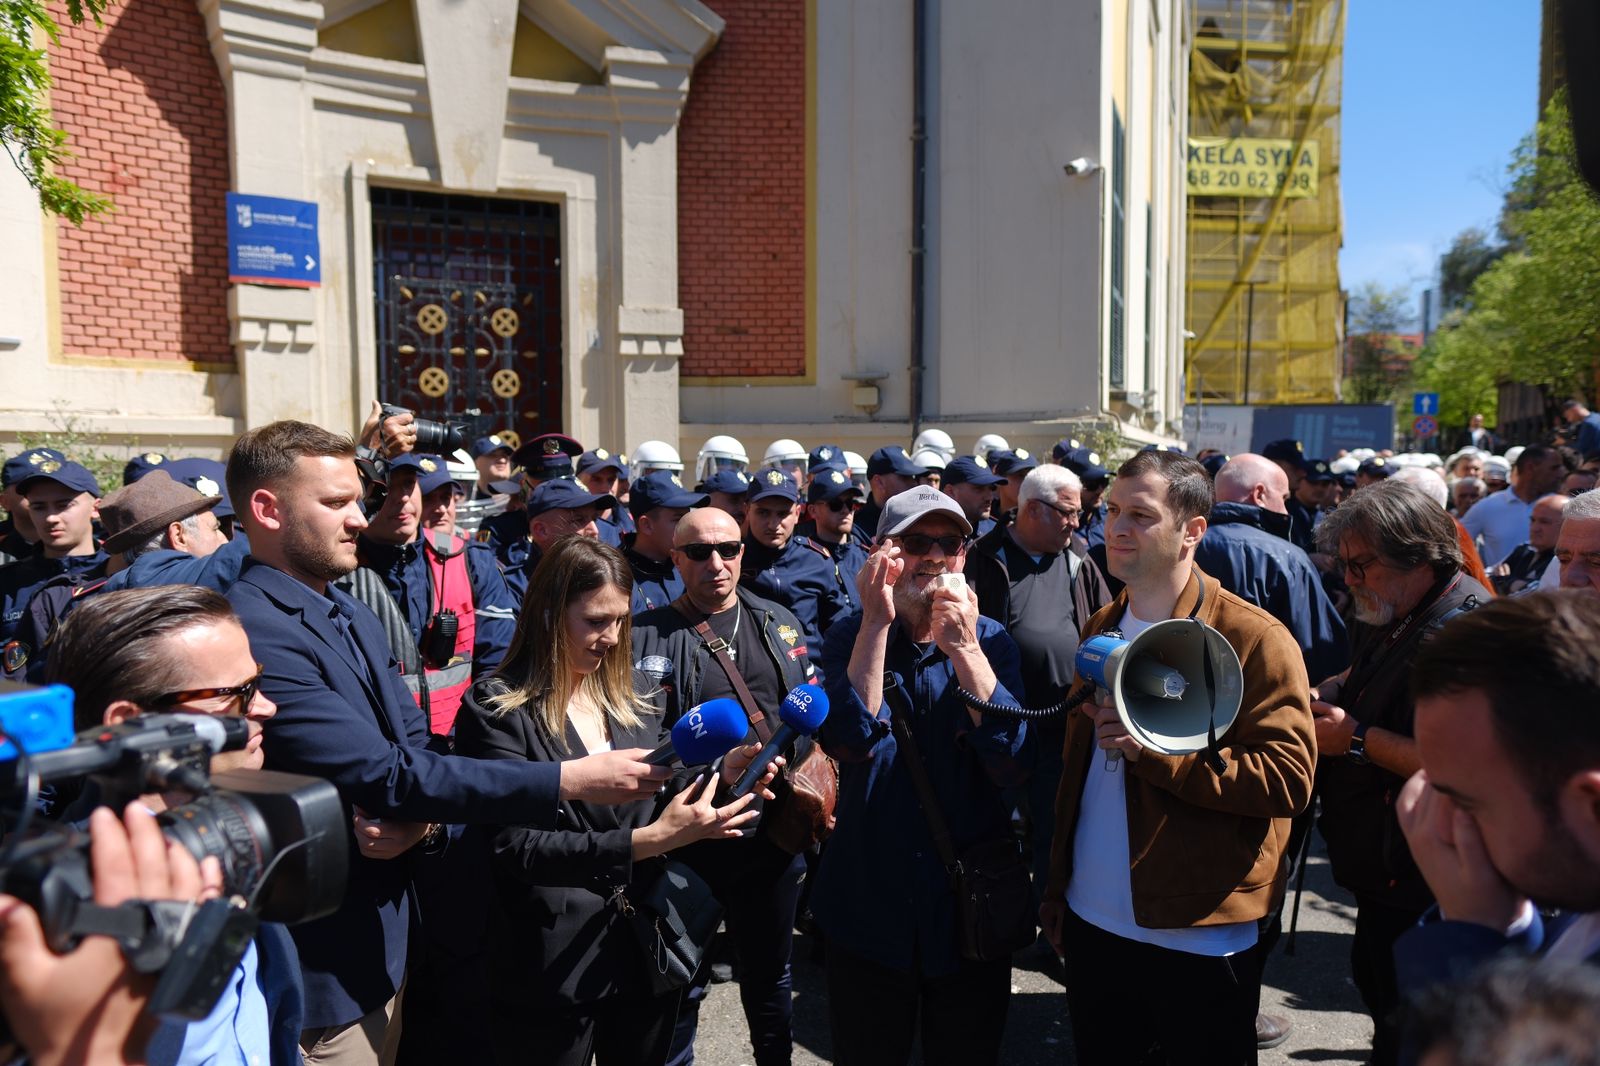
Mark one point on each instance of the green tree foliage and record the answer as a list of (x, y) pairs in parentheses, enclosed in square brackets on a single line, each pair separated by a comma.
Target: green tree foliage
[(1377, 316), (26, 130), (1470, 254), (1534, 314)]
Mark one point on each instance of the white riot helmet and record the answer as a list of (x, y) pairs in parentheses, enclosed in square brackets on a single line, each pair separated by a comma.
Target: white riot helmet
[(720, 453), (789, 455), (990, 442), (929, 459), (858, 470), (654, 455), (934, 440)]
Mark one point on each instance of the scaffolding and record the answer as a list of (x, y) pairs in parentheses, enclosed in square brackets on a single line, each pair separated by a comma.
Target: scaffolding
[(1263, 299)]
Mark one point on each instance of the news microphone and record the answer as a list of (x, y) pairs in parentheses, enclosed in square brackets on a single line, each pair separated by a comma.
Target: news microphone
[(803, 711), (705, 733)]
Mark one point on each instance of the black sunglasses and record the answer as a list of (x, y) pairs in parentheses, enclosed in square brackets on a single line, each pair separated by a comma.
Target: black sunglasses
[(728, 549), (844, 505), (245, 693), (922, 544)]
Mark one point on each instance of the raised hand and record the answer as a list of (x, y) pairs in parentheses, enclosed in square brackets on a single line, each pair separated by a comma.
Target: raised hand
[(875, 584)]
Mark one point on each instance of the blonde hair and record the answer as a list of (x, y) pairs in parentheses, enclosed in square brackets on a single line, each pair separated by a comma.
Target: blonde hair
[(535, 669)]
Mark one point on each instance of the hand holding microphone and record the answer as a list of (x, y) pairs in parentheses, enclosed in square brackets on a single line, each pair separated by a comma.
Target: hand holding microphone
[(802, 712)]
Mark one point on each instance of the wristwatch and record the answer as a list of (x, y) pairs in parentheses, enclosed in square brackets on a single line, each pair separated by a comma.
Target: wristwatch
[(1358, 745)]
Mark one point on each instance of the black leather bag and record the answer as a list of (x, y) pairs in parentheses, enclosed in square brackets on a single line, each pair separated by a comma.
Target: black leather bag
[(994, 895), (674, 918)]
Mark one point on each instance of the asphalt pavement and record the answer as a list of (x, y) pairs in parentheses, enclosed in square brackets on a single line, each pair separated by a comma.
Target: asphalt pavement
[(1312, 989)]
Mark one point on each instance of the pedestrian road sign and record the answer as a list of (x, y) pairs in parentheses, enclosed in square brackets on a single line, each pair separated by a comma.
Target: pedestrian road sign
[(1425, 403), (273, 241), (1424, 426)]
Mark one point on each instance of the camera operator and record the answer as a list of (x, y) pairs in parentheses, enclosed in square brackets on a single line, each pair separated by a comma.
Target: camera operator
[(182, 649), (86, 1008), (343, 714)]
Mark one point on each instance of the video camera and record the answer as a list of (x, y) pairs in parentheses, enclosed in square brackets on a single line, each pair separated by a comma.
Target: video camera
[(435, 438), (282, 839)]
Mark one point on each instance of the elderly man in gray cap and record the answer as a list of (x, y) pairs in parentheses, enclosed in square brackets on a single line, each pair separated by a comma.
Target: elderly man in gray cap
[(884, 897)]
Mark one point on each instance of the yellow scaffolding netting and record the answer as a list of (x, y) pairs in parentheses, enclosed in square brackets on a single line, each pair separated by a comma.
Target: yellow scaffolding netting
[(1265, 225)]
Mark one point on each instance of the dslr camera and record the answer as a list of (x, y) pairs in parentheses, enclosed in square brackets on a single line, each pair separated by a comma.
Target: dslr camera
[(436, 438), (282, 839)]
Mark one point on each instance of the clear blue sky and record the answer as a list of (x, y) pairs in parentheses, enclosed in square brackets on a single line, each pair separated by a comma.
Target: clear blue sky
[(1437, 93)]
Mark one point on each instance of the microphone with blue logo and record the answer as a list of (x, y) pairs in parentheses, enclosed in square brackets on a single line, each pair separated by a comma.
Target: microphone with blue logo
[(705, 733), (802, 712)]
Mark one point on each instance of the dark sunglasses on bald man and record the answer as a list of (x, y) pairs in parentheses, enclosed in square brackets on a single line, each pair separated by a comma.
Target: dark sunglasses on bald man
[(728, 549)]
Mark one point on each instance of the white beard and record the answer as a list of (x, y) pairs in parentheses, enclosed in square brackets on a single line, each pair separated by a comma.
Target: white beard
[(1372, 609)]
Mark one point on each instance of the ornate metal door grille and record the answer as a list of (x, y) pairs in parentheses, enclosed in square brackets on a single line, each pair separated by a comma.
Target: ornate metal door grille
[(468, 294)]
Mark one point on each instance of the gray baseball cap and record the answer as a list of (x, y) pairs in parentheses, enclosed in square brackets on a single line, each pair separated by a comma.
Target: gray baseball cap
[(907, 508)]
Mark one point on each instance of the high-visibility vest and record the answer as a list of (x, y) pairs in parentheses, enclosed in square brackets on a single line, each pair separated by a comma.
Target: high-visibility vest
[(449, 588)]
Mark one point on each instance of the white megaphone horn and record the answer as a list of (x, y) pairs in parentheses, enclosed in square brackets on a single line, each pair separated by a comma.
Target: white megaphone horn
[(1177, 686)]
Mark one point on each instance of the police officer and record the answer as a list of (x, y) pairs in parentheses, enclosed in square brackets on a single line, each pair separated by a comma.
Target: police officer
[(557, 509), (208, 477), (658, 501), (727, 490), (890, 472), (17, 535), (1094, 478), (440, 494), (832, 501), (544, 458), (1290, 455), (1308, 501), (825, 457), (1013, 466), (787, 569), (62, 498), (492, 457), (1373, 470), (969, 481), (599, 470)]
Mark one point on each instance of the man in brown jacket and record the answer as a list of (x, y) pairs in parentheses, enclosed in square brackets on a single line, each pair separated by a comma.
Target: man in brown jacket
[(1161, 866)]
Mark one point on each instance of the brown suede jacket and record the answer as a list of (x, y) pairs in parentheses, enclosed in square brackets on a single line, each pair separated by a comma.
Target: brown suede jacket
[(1207, 849)]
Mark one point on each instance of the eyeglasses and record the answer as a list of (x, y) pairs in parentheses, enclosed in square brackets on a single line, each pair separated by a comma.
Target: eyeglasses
[(1358, 568), (728, 549), (246, 694), (1064, 512), (922, 544), (844, 505)]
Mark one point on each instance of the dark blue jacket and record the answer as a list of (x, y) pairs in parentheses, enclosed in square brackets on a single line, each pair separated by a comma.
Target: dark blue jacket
[(848, 559), (21, 579), (405, 574), (1263, 568), (1588, 442), (217, 571), (353, 723), (883, 890), (655, 584), (801, 577)]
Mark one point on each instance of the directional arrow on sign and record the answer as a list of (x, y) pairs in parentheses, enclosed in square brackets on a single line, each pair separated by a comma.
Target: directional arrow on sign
[(311, 264)]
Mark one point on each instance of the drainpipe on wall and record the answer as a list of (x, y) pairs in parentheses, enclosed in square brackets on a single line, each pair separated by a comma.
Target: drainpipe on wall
[(919, 206)]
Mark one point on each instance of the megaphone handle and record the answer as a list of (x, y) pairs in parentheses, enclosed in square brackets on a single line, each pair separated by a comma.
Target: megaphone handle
[(1113, 756)]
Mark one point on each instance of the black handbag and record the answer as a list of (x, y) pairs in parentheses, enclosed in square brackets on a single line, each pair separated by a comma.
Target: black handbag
[(674, 919), (994, 895)]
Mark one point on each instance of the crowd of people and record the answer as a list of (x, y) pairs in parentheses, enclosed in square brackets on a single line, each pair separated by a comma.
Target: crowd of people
[(489, 669)]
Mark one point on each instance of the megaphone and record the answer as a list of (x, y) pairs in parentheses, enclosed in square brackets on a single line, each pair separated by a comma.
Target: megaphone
[(1176, 686)]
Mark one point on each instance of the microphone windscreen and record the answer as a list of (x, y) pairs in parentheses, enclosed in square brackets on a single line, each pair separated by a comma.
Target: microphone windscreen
[(708, 731), (804, 708)]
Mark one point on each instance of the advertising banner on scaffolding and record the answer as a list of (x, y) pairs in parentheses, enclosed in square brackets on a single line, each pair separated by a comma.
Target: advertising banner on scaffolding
[(1252, 166)]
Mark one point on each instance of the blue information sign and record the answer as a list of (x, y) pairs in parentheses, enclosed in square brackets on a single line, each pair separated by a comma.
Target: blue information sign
[(1322, 429), (272, 241), (1425, 403)]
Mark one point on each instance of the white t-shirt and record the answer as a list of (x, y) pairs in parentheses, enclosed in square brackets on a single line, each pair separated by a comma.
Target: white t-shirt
[(1502, 521), (1101, 889)]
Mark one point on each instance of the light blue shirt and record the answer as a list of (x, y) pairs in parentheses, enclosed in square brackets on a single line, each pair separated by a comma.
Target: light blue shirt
[(1501, 521), (235, 1033)]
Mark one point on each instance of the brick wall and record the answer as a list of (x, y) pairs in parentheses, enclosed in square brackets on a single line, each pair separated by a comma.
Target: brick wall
[(142, 102), (741, 196)]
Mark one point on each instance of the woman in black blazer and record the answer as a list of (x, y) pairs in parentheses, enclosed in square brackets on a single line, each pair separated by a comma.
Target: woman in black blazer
[(567, 974)]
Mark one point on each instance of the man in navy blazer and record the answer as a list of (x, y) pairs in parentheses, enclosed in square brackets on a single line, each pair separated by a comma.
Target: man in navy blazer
[(345, 715), (1505, 812)]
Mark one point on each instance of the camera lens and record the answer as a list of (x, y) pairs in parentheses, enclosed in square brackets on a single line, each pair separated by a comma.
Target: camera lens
[(439, 438)]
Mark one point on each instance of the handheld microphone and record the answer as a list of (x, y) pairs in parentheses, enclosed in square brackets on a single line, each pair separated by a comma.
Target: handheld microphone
[(803, 711), (705, 733)]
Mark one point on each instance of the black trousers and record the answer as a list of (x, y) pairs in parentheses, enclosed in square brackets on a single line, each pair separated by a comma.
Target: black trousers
[(1127, 998), (616, 1031), (875, 1013), (1378, 926), (759, 889)]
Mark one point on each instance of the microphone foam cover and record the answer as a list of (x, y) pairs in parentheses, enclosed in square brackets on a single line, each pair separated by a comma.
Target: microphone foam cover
[(804, 708), (708, 731)]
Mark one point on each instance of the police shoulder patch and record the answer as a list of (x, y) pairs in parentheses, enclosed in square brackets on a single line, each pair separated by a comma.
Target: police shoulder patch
[(654, 666)]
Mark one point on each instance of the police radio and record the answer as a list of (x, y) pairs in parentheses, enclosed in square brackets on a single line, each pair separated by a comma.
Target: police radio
[(439, 636)]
